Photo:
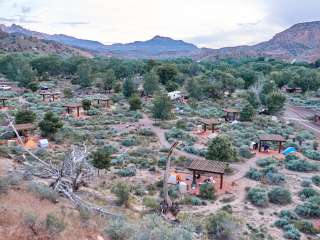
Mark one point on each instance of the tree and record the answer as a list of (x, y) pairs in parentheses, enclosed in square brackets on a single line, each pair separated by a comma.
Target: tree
[(253, 99), (85, 74), (128, 88), (162, 106), (86, 104), (33, 86), (101, 159), (249, 76), (275, 102), (122, 191), (135, 102), (25, 116), (67, 92), (108, 80), (151, 83), (167, 72), (171, 86), (221, 149), (247, 113), (50, 125)]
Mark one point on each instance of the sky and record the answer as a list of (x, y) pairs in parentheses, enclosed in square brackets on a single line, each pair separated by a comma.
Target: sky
[(206, 23)]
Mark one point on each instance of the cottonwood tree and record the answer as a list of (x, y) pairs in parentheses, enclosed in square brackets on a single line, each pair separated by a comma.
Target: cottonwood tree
[(247, 113), (135, 102), (86, 104), (101, 159), (108, 80), (85, 74), (162, 107), (221, 149), (167, 72), (151, 83), (275, 102), (128, 88)]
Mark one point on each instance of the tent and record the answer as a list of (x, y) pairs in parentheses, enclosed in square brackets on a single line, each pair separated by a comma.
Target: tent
[(289, 150), (43, 143)]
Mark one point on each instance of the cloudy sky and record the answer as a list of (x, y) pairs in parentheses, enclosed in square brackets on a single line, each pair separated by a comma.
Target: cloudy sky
[(206, 23)]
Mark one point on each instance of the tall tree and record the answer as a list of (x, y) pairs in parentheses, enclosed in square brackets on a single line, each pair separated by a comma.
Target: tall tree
[(221, 149), (151, 83), (25, 116), (128, 88), (162, 107), (275, 102), (101, 159), (167, 72), (108, 80), (85, 75)]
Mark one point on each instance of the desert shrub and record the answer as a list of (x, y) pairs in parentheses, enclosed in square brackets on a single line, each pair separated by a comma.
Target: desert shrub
[(316, 180), (312, 154), (151, 202), (300, 165), (54, 224), (310, 208), (244, 151), (280, 195), (181, 124), (290, 232), (191, 200), (275, 178), (264, 162), (306, 183), (305, 227), (254, 174), (4, 185), (25, 116), (289, 215), (67, 93), (85, 213), (207, 191), (135, 102), (119, 229), (129, 142), (258, 197), (146, 132), (122, 191), (127, 172), (307, 193), (222, 226), (222, 149), (43, 192), (280, 223)]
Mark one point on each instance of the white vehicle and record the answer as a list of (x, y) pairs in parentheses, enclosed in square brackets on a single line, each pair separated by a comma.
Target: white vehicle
[(174, 95), (5, 87)]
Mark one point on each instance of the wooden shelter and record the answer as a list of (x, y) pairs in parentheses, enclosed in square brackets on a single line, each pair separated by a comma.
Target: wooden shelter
[(25, 128), (4, 100), (231, 114), (71, 107), (263, 139), (104, 101), (52, 95), (207, 166), (209, 123)]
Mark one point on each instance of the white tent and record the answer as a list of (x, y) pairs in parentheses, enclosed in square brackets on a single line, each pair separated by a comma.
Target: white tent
[(174, 95), (43, 143)]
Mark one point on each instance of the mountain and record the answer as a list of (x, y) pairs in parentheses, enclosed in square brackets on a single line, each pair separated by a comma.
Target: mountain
[(300, 42), (18, 42), (157, 47)]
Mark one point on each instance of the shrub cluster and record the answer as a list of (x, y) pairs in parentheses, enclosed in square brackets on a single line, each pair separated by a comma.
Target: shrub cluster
[(258, 196)]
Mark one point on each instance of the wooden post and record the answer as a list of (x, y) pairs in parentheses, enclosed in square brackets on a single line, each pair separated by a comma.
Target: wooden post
[(212, 128), (53, 98), (204, 127), (78, 111), (260, 145), (68, 110), (43, 97), (194, 180), (221, 181), (280, 146), (3, 103)]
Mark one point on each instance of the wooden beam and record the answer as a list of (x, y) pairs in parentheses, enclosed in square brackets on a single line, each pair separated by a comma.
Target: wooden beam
[(221, 181)]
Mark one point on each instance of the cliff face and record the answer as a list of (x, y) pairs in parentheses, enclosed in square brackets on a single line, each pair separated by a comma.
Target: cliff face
[(301, 42)]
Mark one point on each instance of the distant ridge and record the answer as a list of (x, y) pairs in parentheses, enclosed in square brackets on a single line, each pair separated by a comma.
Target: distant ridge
[(300, 42)]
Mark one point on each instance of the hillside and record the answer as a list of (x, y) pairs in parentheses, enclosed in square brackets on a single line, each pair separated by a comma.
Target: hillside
[(301, 42)]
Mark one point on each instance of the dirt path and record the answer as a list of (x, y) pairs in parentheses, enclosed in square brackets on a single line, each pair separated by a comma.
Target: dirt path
[(299, 116)]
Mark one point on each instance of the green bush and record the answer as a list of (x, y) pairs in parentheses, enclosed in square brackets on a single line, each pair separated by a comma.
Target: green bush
[(122, 191), (258, 197), (54, 225), (265, 162), (300, 165), (290, 232), (307, 193), (43, 192), (221, 226), (151, 202), (306, 227), (254, 174), (316, 180), (127, 172), (135, 102), (312, 154), (129, 142), (191, 200), (306, 183), (207, 191), (280, 195), (4, 185), (119, 229), (244, 151), (310, 208)]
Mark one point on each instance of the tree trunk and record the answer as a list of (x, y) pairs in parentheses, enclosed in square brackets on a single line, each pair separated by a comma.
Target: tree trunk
[(165, 184)]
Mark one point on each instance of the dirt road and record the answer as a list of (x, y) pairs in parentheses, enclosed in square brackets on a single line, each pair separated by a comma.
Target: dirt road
[(301, 118)]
